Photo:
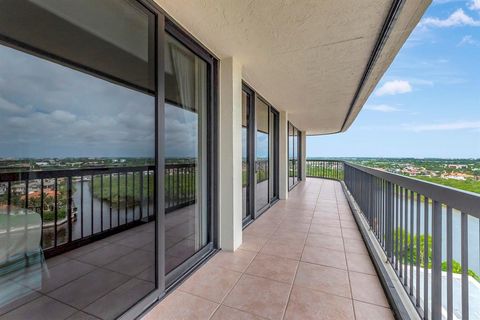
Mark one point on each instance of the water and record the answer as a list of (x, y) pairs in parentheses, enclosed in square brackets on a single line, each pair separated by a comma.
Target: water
[(111, 218)]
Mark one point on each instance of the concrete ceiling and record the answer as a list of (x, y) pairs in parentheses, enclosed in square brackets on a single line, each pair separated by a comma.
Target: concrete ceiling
[(305, 57)]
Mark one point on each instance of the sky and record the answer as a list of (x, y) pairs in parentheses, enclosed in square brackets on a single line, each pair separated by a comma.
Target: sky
[(48, 110), (428, 102)]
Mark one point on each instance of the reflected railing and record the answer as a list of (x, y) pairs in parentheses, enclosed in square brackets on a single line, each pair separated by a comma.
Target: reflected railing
[(77, 206)]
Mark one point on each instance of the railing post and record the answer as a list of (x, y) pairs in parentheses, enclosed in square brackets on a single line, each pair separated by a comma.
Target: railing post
[(464, 258), (437, 260), (388, 221), (70, 204)]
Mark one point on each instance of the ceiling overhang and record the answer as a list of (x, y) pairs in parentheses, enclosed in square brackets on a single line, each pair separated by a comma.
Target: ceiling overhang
[(317, 60)]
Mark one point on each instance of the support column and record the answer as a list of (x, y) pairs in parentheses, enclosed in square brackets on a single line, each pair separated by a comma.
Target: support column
[(303, 155), (230, 155), (283, 156)]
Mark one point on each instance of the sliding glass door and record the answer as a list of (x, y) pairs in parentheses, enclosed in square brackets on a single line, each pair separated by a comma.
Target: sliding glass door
[(294, 149), (273, 150), (78, 121), (259, 155), (262, 154), (247, 104), (186, 119), (189, 153), (107, 157)]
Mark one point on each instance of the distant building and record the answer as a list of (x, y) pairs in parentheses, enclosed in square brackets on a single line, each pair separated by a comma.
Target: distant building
[(458, 166), (456, 176)]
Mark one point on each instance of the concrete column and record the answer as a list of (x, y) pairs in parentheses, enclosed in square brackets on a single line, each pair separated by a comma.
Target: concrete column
[(303, 155), (230, 154), (283, 156)]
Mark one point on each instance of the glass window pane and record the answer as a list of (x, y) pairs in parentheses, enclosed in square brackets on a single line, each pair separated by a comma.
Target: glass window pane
[(291, 148), (185, 153), (78, 32), (262, 153), (77, 157), (245, 163), (271, 160)]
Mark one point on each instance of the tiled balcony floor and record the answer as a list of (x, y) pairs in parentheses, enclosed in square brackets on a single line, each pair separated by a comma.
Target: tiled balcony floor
[(303, 259)]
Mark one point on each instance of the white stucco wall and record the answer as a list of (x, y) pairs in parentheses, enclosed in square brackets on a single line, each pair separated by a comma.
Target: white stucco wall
[(230, 154)]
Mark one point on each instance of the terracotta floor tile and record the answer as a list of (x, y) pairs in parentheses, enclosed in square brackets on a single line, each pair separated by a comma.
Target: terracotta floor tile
[(351, 234), (367, 311), (349, 224), (284, 249), (355, 246), (211, 282), (296, 219), (307, 304), (262, 297), (325, 241), (227, 313), (325, 257), (367, 288), (292, 237), (328, 222), (297, 213), (236, 261), (360, 263), (289, 226), (182, 305), (274, 268), (322, 229), (253, 243), (326, 279)]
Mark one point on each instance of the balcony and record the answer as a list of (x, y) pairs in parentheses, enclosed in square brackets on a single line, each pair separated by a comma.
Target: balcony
[(302, 259), (153, 160)]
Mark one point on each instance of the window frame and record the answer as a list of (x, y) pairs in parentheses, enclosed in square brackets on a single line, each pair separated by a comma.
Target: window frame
[(297, 155)]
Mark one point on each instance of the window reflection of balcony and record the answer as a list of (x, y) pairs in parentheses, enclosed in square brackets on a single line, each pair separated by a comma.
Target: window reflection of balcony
[(85, 271)]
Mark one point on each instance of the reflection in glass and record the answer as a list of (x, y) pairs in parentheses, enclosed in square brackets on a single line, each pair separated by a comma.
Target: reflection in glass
[(295, 154), (262, 153), (294, 138), (185, 153), (291, 155), (84, 237), (245, 163)]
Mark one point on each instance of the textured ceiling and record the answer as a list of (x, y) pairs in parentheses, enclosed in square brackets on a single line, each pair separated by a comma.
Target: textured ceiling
[(304, 57)]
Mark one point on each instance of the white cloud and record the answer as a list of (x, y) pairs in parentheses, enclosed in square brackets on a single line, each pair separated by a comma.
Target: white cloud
[(468, 40), (474, 5), (394, 87), (458, 18), (7, 106), (382, 108), (450, 126)]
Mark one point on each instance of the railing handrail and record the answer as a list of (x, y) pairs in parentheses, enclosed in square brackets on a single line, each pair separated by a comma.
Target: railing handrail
[(325, 160), (461, 200), (74, 172)]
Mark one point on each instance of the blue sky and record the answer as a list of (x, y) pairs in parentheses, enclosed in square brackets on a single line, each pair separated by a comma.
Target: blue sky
[(428, 102)]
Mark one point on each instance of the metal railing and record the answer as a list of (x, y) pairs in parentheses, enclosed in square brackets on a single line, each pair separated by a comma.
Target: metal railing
[(422, 228), (328, 169), (77, 206)]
